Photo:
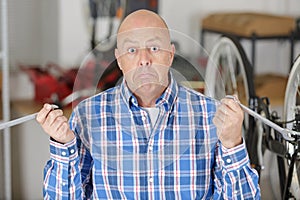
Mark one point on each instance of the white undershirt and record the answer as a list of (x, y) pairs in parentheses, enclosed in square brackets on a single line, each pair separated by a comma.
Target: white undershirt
[(153, 112)]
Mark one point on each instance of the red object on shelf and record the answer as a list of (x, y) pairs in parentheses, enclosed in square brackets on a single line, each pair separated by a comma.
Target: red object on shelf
[(48, 88), (53, 83)]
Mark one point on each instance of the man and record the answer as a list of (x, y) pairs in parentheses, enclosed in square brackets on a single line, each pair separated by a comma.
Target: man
[(148, 138)]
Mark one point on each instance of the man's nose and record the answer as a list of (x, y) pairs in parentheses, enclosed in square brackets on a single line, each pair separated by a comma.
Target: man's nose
[(144, 58)]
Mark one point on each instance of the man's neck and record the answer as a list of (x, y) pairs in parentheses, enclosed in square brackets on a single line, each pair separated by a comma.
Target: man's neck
[(144, 102), (147, 97)]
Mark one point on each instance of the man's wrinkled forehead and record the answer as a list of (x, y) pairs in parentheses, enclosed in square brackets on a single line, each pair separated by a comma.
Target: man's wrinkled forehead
[(144, 35)]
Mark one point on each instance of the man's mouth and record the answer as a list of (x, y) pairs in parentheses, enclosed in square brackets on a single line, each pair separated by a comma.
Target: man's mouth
[(146, 76)]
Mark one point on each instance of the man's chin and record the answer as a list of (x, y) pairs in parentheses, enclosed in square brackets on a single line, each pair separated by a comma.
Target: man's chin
[(149, 87)]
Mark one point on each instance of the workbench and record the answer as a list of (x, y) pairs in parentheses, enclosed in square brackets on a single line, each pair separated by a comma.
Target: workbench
[(254, 27)]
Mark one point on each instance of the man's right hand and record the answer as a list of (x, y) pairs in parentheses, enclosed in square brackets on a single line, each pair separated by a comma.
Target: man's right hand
[(55, 124)]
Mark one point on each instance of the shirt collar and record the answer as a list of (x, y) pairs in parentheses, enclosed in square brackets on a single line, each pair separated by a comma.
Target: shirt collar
[(166, 99)]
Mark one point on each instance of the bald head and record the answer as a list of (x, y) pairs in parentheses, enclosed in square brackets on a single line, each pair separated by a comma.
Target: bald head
[(142, 19), (144, 53)]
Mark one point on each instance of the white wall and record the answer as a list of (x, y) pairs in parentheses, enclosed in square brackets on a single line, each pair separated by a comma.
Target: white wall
[(46, 30), (55, 30), (24, 31), (185, 16), (30, 153), (74, 38)]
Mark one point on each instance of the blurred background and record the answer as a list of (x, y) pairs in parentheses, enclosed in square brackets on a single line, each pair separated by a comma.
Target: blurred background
[(49, 40)]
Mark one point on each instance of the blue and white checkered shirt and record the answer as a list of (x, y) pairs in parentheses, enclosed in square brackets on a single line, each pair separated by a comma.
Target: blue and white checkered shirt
[(117, 154)]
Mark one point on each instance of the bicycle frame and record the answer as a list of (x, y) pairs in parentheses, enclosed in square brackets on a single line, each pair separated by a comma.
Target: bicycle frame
[(277, 145)]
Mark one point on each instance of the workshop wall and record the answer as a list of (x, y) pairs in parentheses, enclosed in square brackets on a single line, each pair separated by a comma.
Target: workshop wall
[(43, 31)]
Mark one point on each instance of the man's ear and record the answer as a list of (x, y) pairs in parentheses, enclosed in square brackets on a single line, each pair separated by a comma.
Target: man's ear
[(172, 53), (117, 55)]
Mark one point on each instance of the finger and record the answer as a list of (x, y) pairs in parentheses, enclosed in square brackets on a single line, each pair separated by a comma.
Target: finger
[(43, 113), (63, 128), (59, 121), (218, 121), (52, 116), (236, 98), (231, 104), (222, 110), (61, 134), (221, 113)]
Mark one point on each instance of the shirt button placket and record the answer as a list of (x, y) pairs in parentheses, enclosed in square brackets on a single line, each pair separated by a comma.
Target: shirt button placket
[(144, 116), (151, 179), (150, 166), (150, 148)]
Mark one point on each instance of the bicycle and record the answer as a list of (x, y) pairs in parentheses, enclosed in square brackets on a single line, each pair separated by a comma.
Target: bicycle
[(288, 151), (259, 136)]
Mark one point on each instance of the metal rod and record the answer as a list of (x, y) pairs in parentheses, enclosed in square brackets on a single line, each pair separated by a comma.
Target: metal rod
[(282, 131), (21, 119), (17, 121)]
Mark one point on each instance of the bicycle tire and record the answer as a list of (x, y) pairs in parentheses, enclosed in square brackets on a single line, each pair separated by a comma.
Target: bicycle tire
[(290, 103), (251, 129), (213, 70)]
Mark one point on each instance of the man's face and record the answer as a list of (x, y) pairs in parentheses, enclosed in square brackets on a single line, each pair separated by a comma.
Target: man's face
[(144, 56)]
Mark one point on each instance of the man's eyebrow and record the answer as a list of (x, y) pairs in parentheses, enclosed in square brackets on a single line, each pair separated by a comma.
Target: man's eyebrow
[(155, 39), (127, 40)]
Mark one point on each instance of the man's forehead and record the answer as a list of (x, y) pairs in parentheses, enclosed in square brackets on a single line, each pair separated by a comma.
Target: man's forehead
[(135, 40), (145, 34)]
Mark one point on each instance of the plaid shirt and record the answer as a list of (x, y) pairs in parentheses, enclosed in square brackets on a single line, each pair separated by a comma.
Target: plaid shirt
[(118, 155)]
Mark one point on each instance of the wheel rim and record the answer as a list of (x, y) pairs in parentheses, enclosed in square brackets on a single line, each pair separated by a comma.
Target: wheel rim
[(290, 103), (228, 77)]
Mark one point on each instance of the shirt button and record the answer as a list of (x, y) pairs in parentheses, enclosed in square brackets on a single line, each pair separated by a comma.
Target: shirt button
[(228, 160), (151, 180), (72, 151), (235, 192), (63, 153), (144, 118), (150, 148)]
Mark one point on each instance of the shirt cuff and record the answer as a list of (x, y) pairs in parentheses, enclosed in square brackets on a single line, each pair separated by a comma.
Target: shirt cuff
[(235, 158), (63, 153)]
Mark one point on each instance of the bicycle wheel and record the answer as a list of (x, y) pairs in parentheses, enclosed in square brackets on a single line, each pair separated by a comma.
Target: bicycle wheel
[(292, 93), (291, 105), (229, 72)]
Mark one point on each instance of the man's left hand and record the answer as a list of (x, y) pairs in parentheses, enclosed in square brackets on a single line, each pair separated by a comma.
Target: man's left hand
[(228, 120)]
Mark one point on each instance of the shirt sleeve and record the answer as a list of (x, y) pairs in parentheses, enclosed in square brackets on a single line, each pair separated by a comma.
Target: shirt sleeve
[(234, 177), (67, 173)]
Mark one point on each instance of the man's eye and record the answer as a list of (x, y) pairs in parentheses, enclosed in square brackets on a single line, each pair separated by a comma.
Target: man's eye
[(131, 50), (154, 48)]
